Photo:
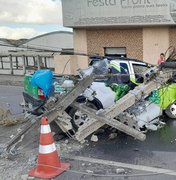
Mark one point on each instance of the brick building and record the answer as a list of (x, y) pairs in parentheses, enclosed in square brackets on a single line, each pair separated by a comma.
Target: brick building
[(139, 29)]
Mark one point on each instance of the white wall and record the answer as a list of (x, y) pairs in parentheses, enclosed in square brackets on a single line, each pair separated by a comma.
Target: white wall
[(69, 64), (155, 41)]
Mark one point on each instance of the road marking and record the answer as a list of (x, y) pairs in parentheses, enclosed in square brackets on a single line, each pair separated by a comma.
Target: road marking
[(124, 165)]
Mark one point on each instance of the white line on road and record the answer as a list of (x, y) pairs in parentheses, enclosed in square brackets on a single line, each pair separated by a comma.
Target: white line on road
[(125, 165)]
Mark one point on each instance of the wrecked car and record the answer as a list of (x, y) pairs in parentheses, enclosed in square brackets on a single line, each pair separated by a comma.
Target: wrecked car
[(114, 79)]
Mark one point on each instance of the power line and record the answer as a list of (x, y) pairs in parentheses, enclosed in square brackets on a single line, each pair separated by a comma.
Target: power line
[(171, 50)]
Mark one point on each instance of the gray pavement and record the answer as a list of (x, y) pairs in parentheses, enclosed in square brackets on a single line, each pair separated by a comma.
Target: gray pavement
[(11, 97), (12, 80)]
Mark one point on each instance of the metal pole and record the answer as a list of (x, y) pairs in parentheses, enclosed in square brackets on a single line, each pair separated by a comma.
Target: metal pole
[(27, 62), (38, 62), (2, 66), (24, 65), (16, 62), (45, 60), (11, 64), (33, 60)]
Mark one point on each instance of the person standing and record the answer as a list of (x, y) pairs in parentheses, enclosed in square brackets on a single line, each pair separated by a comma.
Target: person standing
[(161, 59)]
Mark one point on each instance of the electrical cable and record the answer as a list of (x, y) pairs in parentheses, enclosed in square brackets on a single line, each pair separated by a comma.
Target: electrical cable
[(172, 54), (104, 175), (65, 66), (61, 50)]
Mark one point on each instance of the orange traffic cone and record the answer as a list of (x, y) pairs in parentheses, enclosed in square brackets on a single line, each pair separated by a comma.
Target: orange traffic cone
[(49, 164)]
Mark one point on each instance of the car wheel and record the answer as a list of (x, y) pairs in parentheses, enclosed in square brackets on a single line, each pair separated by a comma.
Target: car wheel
[(78, 117), (171, 111)]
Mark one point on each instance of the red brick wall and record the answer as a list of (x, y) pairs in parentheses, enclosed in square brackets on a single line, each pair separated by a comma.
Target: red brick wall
[(132, 39), (172, 36)]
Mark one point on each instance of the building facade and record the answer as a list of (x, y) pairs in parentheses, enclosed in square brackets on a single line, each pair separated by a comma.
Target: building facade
[(139, 29), (24, 56)]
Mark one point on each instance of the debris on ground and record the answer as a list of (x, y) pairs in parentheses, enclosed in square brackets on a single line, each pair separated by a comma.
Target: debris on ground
[(69, 146), (24, 177), (120, 171), (94, 138), (7, 119), (83, 164), (136, 149), (112, 136), (89, 171), (66, 141)]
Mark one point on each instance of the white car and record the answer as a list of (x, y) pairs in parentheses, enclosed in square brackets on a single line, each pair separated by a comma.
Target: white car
[(144, 115)]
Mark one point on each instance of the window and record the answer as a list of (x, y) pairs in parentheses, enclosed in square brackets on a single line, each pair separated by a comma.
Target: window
[(124, 68), (115, 51)]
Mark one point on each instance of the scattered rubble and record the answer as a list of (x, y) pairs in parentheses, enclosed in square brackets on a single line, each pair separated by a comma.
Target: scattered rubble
[(89, 171), (66, 141), (83, 164), (24, 177), (94, 138), (136, 149), (112, 136), (68, 146), (7, 119), (120, 171)]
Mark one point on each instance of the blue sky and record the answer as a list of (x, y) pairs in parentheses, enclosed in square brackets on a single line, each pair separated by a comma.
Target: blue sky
[(29, 18)]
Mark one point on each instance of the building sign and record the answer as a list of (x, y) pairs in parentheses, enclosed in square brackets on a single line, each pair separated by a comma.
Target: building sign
[(80, 13)]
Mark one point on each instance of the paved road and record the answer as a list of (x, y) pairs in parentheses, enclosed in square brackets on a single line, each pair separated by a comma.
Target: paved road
[(159, 150), (11, 96), (11, 80)]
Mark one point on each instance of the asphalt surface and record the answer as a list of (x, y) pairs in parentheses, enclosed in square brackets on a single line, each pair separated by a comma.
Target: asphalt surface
[(11, 96), (159, 149), (12, 80)]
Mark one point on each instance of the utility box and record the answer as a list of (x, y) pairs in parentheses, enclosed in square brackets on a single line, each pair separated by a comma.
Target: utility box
[(29, 88)]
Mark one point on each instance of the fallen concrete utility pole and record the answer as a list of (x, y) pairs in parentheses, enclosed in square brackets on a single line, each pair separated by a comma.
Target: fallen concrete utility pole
[(52, 114), (124, 103), (102, 120)]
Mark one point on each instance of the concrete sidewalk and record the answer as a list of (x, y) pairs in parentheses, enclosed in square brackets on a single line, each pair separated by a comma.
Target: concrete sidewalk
[(11, 80)]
